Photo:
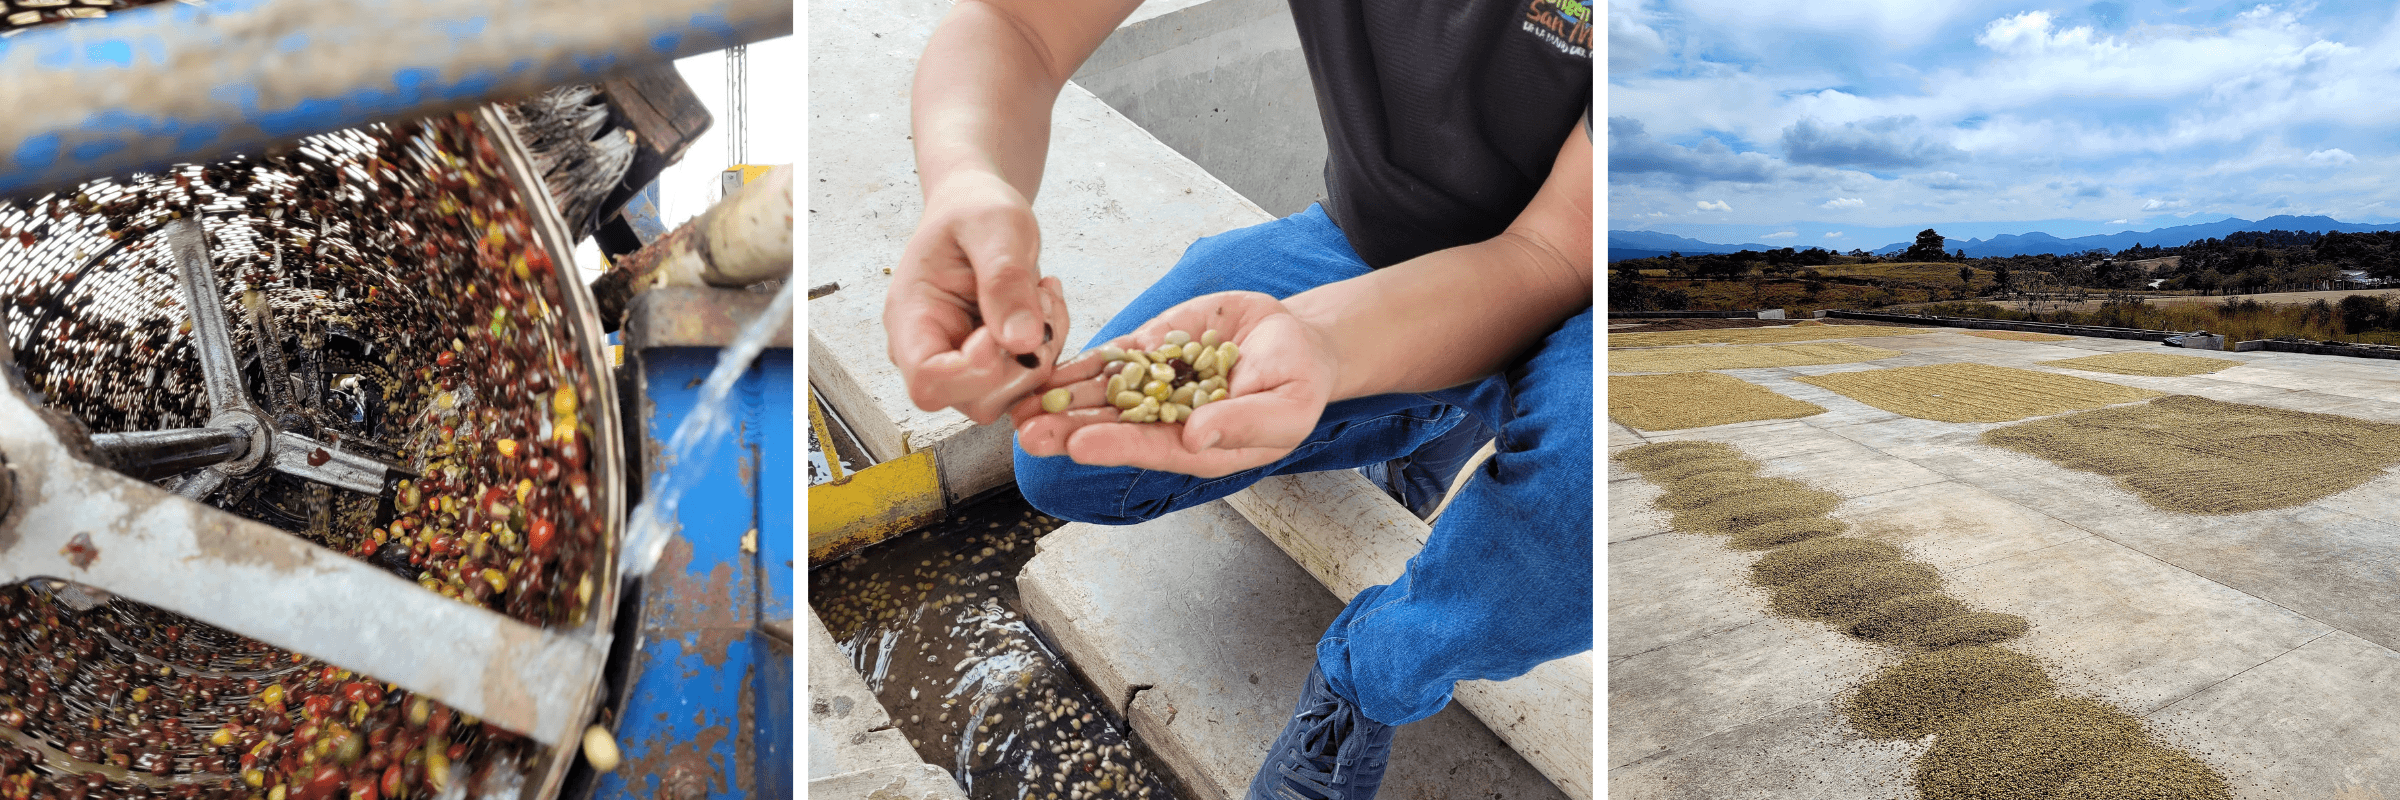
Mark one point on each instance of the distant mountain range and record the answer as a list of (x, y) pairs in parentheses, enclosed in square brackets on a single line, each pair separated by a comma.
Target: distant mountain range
[(1645, 244)]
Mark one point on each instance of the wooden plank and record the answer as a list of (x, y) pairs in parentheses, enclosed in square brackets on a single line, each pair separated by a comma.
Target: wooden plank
[(663, 111)]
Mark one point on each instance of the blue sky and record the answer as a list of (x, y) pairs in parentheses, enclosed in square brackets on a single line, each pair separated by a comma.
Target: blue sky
[(1857, 123)]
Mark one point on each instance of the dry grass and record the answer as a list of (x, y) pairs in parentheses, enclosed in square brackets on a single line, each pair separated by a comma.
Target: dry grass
[(1682, 400), (2199, 456), (2156, 365), (1690, 359), (2020, 336), (1932, 691), (1962, 392), (1760, 335)]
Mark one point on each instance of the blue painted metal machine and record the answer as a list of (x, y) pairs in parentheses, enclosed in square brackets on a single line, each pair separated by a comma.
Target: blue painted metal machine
[(707, 711)]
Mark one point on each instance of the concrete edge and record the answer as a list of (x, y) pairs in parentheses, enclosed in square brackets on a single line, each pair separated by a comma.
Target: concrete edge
[(894, 782), (841, 394), (1154, 710), (850, 734)]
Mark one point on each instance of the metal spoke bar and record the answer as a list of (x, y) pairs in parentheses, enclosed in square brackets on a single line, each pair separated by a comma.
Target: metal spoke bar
[(150, 455), (185, 82), (212, 340), (303, 457), (80, 522)]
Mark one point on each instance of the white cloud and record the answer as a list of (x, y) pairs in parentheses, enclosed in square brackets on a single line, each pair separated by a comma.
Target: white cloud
[(1632, 44), (1843, 202), (2333, 156), (1714, 205), (1781, 235), (1833, 234), (2156, 204), (2116, 222)]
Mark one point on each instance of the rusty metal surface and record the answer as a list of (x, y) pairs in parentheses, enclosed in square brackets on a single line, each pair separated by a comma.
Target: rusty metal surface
[(184, 82), (695, 316)]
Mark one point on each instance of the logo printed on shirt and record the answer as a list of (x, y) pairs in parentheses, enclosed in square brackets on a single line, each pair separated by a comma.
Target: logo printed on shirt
[(1565, 24)]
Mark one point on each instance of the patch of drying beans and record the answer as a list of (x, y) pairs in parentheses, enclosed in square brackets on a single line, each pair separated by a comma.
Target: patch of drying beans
[(1995, 715)]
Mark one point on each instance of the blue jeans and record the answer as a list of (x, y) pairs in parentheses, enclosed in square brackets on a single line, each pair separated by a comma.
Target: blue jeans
[(1505, 581)]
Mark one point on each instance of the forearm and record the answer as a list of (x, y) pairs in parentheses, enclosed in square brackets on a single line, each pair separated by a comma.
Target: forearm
[(981, 101), (1447, 317), (988, 79)]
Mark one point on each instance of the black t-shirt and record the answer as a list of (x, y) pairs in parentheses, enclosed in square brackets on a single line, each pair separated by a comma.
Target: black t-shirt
[(1442, 116)]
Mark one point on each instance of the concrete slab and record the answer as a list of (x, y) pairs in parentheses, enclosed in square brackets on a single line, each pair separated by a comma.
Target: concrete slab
[(1224, 83), (1780, 757), (2338, 569), (1763, 442), (1116, 206), (895, 782), (1670, 696), (1850, 470), (1639, 519), (2315, 722), (849, 733), (1199, 629), (2129, 629), (1674, 587), (1953, 526)]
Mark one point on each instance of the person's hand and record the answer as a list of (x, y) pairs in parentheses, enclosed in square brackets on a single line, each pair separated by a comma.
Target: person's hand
[(971, 322), (1280, 386)]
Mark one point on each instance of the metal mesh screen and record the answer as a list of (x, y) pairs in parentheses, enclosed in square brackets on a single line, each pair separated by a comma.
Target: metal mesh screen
[(422, 321)]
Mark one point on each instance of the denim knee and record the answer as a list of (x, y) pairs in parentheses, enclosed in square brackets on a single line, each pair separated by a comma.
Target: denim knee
[(1061, 488)]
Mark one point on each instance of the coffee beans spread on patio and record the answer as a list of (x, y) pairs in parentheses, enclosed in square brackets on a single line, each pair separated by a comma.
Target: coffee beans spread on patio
[(2193, 455), (1970, 392), (2000, 732), (1165, 384), (1697, 358), (1680, 400)]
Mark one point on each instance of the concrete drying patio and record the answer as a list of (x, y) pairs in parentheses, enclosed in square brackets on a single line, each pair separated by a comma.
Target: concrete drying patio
[(2263, 642)]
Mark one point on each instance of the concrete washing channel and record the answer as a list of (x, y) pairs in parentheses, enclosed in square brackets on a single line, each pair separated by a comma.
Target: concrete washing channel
[(2262, 642), (1194, 629)]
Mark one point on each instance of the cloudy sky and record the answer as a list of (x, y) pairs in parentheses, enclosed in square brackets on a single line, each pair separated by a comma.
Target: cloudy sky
[(1855, 124)]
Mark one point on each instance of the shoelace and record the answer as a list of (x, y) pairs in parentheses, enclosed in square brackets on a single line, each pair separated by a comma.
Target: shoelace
[(1316, 764)]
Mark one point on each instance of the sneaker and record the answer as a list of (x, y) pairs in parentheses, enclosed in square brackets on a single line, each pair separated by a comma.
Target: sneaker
[(1329, 751)]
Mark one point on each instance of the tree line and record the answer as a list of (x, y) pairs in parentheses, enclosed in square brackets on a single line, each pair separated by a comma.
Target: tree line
[(2247, 262)]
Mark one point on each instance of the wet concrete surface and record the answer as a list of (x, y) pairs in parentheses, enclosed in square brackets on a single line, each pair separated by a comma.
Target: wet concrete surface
[(931, 619)]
